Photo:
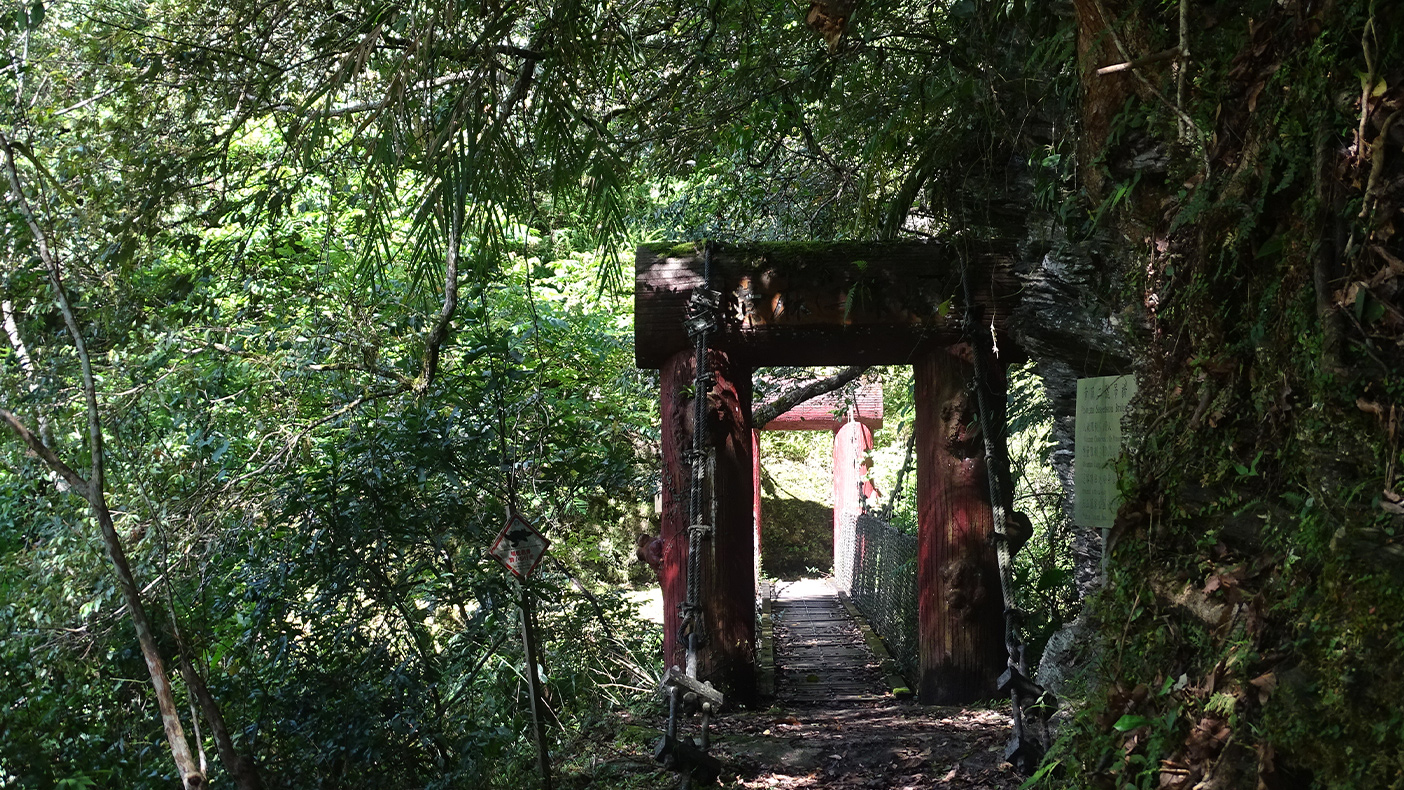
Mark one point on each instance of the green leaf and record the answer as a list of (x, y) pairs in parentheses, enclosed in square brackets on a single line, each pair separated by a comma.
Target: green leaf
[(1052, 578), (1271, 247), (1129, 722), (1372, 309), (76, 782)]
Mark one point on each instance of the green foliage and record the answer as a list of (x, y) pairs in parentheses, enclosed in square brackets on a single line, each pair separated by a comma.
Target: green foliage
[(320, 547), (798, 538), (783, 140), (1043, 570)]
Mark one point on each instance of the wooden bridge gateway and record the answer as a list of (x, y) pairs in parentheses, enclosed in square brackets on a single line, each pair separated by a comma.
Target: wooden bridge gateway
[(828, 304)]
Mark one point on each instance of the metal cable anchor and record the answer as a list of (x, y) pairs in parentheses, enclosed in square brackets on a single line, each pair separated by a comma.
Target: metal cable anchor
[(683, 755)]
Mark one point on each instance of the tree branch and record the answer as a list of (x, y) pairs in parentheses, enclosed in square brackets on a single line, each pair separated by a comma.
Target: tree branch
[(26, 363), (371, 105), (902, 473), (441, 324), (47, 455), (240, 766), (12, 331), (795, 397), (1169, 54), (1184, 117)]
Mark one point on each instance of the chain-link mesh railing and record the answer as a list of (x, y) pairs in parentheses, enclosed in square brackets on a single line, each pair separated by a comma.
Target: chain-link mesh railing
[(876, 565)]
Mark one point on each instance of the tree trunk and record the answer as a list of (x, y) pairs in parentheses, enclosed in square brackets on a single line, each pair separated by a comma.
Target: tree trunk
[(26, 363), (95, 490), (240, 767)]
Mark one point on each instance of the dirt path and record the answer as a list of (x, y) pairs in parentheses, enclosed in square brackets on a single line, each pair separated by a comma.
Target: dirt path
[(836, 725), (867, 745)]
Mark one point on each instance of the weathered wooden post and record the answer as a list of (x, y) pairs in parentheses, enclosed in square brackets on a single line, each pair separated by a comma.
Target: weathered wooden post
[(960, 611), (727, 577), (756, 502)]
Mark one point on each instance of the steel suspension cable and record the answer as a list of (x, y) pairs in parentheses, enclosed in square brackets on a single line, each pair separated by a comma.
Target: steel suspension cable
[(687, 757), (1022, 752)]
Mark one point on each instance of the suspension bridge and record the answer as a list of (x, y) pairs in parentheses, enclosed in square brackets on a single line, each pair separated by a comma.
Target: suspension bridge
[(839, 717)]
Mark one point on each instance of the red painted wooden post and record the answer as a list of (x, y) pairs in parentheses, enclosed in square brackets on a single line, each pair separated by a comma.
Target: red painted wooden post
[(852, 441), (960, 610), (727, 578), (756, 502)]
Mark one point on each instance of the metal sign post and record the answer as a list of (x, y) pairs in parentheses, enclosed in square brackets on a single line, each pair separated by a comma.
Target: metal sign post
[(538, 721), (519, 547)]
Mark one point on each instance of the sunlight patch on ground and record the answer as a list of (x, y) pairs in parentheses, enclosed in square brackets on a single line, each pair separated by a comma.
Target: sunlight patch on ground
[(779, 781), (808, 587)]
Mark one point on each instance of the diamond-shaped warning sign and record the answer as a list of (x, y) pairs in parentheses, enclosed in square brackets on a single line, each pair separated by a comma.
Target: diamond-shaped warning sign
[(519, 546)]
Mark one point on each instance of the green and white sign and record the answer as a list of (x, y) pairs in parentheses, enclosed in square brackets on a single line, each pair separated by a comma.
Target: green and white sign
[(1101, 403)]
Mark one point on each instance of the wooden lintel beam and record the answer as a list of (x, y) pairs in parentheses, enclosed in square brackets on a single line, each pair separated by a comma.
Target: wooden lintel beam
[(820, 303), (821, 423), (827, 413)]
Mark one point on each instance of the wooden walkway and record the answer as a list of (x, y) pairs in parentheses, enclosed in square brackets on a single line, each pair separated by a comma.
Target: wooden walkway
[(835, 724), (821, 656)]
